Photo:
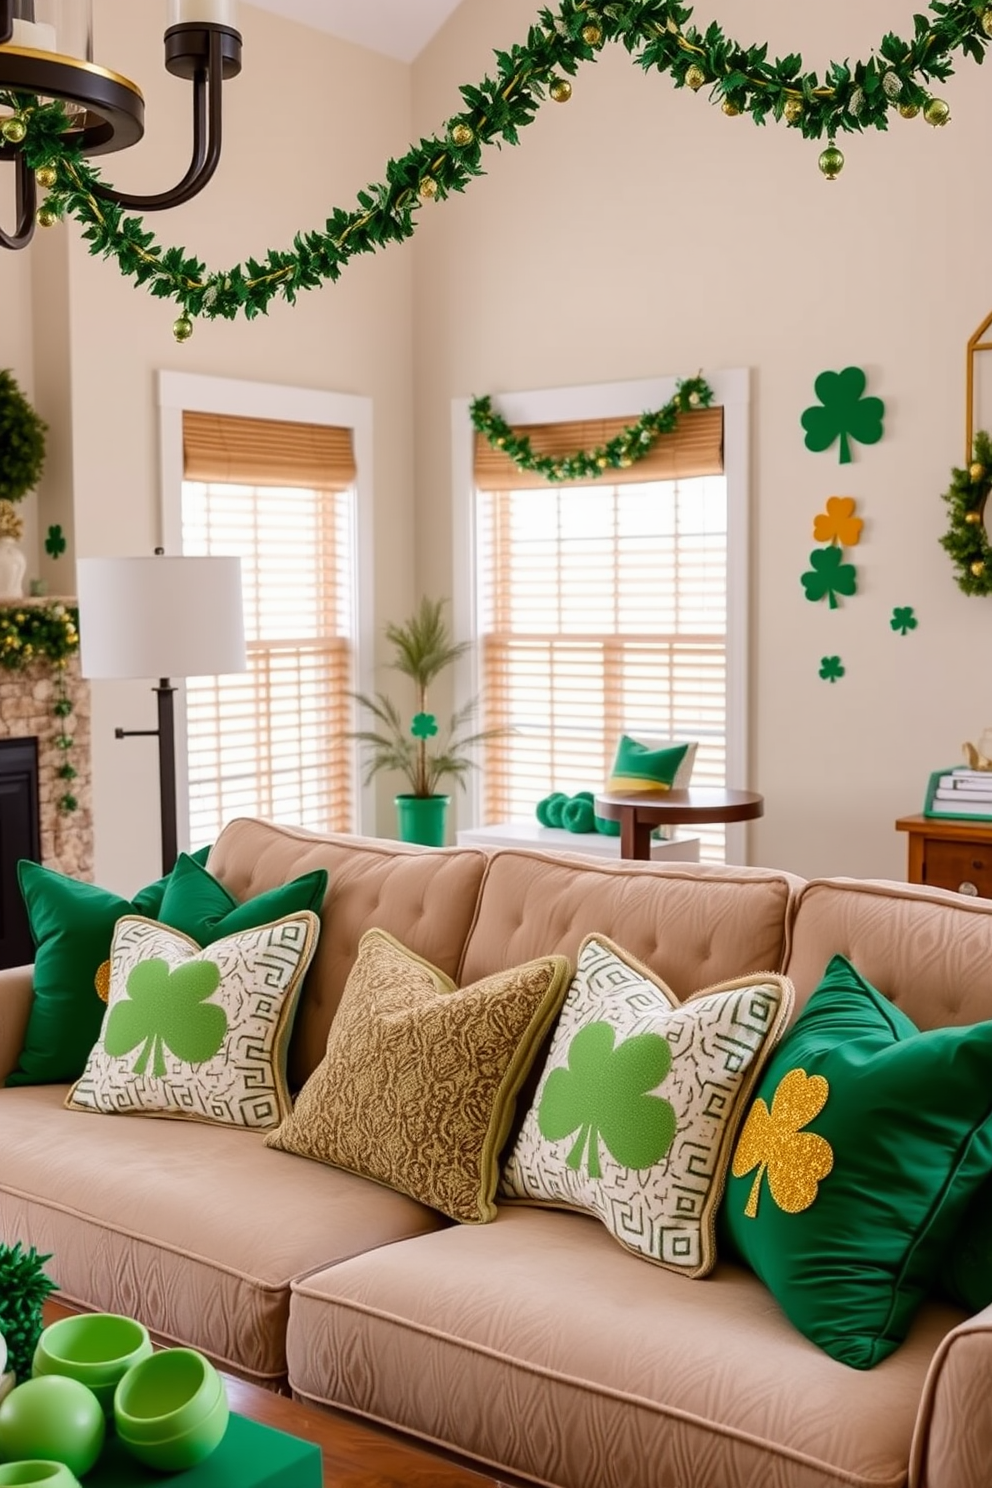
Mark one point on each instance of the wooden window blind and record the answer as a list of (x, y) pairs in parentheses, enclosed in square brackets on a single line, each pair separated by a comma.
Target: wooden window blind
[(267, 452), (603, 611), (272, 741)]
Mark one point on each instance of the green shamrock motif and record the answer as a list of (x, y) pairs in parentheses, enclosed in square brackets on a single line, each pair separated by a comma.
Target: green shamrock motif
[(605, 1093), (845, 413), (830, 576), (831, 668), (167, 1010), (903, 619), (424, 726), (55, 542)]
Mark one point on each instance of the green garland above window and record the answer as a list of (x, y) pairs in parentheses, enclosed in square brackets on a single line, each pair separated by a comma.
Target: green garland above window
[(626, 449), (967, 540), (895, 79), (45, 633)]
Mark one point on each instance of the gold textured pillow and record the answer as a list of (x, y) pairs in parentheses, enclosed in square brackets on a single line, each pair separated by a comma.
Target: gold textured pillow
[(418, 1084)]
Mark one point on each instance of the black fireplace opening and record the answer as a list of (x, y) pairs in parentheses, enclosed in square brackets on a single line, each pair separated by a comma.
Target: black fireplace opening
[(20, 837)]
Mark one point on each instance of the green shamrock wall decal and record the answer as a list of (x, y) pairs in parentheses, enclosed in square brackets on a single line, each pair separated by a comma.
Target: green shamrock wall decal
[(167, 1010), (829, 576), (424, 726), (844, 413), (831, 668), (55, 542), (605, 1093), (903, 619)]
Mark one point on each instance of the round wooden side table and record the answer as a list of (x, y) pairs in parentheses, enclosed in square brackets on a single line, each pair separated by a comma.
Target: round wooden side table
[(639, 813)]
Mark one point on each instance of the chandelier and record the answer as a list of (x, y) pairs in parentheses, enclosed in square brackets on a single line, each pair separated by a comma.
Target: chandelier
[(46, 54)]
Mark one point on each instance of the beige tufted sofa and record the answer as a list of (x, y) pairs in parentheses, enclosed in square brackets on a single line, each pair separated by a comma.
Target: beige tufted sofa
[(534, 1343)]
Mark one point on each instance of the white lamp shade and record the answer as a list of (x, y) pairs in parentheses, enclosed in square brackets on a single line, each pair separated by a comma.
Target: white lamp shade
[(160, 617)]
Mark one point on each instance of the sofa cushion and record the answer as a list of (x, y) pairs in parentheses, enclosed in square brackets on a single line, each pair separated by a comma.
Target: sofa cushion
[(426, 897), (195, 1033), (197, 1230), (418, 1086), (858, 1157), (639, 1101), (537, 1343)]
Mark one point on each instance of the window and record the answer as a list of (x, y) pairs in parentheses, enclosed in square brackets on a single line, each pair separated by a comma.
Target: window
[(605, 608)]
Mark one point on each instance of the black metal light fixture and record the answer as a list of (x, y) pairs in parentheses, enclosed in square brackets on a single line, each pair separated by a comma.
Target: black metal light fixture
[(106, 111)]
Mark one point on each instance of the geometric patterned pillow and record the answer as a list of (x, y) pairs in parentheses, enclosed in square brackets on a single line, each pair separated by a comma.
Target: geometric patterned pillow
[(638, 1105), (198, 1034)]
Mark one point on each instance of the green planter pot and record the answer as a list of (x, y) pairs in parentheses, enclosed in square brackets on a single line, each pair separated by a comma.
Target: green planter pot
[(422, 819)]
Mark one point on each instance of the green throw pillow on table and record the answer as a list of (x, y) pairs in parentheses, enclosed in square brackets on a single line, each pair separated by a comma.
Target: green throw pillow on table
[(73, 925), (857, 1160)]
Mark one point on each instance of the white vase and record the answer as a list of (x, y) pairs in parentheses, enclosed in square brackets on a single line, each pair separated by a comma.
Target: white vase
[(12, 566)]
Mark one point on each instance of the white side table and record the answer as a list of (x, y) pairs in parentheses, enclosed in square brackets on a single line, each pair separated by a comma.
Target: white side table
[(555, 839)]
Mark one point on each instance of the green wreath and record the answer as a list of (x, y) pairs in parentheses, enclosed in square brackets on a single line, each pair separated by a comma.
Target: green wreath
[(967, 540), (627, 448)]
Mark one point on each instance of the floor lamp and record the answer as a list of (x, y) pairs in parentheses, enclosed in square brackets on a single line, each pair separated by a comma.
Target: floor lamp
[(166, 618)]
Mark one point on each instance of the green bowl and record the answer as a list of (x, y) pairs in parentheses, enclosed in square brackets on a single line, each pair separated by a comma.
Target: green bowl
[(171, 1410), (52, 1419), (37, 1475), (95, 1348)]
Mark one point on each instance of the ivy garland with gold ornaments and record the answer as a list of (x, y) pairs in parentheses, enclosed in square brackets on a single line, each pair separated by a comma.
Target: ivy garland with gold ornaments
[(895, 79), (628, 447), (45, 633), (967, 540)]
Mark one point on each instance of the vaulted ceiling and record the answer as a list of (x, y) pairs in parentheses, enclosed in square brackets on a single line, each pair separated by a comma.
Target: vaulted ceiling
[(398, 28)]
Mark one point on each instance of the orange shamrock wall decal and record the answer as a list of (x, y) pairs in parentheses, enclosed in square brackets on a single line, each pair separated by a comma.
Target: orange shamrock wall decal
[(838, 524)]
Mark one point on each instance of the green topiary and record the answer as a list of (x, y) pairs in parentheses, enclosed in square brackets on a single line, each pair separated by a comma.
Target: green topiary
[(23, 1289), (22, 442)]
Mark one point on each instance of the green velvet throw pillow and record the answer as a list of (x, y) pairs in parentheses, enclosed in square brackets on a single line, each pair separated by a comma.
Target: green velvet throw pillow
[(965, 1276), (856, 1161), (72, 924)]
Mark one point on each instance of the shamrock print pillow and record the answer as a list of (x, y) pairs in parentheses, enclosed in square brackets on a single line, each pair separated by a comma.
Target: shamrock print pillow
[(198, 1033), (639, 1102)]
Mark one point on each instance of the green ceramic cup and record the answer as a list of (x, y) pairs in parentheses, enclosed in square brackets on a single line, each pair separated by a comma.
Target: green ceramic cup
[(171, 1410), (37, 1475), (95, 1348), (52, 1419)]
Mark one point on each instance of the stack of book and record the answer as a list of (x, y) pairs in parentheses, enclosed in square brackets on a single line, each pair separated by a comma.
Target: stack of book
[(959, 792)]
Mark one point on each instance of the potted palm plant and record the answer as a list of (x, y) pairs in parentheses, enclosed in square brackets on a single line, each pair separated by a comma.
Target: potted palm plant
[(422, 650)]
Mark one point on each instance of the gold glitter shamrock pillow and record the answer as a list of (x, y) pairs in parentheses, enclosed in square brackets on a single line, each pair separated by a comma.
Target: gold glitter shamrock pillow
[(857, 1160), (639, 1102)]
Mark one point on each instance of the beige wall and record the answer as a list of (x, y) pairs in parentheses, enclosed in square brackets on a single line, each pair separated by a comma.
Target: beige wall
[(638, 231)]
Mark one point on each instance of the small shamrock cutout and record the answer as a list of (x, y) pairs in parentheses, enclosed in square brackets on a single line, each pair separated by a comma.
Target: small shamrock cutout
[(903, 619), (772, 1141), (830, 576), (838, 524), (605, 1093), (845, 414), (831, 668), (167, 1009), (424, 726), (55, 542)]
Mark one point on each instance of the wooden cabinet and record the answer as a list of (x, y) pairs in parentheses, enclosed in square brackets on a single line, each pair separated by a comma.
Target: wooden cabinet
[(949, 853)]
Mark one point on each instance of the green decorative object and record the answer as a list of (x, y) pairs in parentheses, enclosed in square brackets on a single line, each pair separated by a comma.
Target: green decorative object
[(967, 540), (95, 1348), (903, 619), (831, 669), (853, 96), (578, 815), (24, 1287), (52, 1418), (167, 1009), (626, 449), (55, 542), (637, 767), (171, 1410), (424, 726), (844, 413), (422, 819), (33, 634), (549, 810), (829, 576), (22, 438), (856, 1163), (604, 1094)]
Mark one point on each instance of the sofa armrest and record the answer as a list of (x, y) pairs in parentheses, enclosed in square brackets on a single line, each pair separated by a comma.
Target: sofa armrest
[(952, 1442), (15, 1005)]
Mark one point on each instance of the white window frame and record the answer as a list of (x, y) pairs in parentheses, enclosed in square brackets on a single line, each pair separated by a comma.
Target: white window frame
[(180, 392), (731, 389)]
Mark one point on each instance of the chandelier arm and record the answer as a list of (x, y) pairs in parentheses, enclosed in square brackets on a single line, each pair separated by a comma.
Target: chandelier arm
[(27, 201), (207, 139)]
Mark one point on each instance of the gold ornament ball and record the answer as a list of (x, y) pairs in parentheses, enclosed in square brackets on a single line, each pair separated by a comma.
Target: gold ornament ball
[(561, 90), (730, 108), (978, 569), (427, 188), (937, 112), (182, 328), (793, 110), (46, 176), (987, 22), (462, 134), (909, 110), (973, 518), (602, 462), (831, 162), (45, 217), (14, 130), (977, 471), (592, 35), (695, 78)]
